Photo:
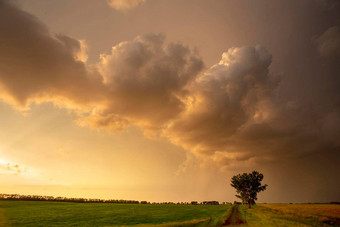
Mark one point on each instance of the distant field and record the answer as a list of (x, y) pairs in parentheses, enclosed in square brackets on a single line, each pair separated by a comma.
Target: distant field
[(42, 213), (293, 215)]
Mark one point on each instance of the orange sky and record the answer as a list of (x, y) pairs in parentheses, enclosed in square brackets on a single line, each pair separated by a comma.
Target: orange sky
[(166, 100)]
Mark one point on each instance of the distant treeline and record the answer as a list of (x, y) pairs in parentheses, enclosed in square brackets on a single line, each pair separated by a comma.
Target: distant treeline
[(61, 199), (334, 202), (84, 200)]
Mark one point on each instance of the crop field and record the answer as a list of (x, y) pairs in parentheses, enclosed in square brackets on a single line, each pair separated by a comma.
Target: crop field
[(323, 212), (292, 215), (42, 213)]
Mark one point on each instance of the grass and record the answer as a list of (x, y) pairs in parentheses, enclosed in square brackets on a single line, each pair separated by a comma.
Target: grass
[(36, 213), (32, 213), (291, 215)]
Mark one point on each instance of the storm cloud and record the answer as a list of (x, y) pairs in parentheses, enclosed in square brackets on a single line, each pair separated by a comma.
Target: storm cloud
[(146, 81), (235, 111), (228, 99), (139, 82)]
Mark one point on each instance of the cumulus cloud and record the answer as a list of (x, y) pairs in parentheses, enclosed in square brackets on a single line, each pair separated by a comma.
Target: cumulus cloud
[(139, 82), (232, 95), (125, 5), (329, 42), (146, 81), (234, 116)]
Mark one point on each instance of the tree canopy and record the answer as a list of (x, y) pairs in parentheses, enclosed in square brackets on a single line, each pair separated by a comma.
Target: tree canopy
[(247, 186)]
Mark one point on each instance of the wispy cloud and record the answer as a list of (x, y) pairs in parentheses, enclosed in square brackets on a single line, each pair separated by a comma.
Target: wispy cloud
[(10, 168)]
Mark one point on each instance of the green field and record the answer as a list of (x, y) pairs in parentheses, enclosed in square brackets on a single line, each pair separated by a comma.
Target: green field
[(43, 213), (36, 213)]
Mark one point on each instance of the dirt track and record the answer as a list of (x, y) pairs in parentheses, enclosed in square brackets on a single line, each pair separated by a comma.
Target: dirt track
[(234, 218)]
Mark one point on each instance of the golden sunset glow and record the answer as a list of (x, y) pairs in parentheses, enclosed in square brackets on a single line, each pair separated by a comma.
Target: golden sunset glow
[(166, 100)]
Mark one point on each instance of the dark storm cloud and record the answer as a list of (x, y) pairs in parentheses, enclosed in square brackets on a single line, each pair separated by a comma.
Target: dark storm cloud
[(234, 115), (231, 95), (234, 120), (237, 112)]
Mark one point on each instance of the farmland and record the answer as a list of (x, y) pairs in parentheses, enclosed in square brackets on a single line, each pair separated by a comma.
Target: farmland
[(46, 213), (43, 213), (292, 215)]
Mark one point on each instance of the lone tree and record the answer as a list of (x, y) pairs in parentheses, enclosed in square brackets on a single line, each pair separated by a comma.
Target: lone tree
[(247, 186)]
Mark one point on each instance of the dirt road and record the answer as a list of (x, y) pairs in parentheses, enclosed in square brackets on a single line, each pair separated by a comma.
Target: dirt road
[(234, 218)]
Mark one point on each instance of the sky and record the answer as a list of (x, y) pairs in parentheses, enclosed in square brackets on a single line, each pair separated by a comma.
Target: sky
[(166, 100)]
